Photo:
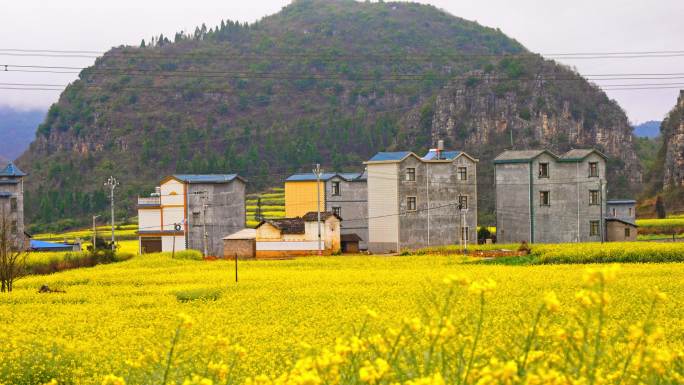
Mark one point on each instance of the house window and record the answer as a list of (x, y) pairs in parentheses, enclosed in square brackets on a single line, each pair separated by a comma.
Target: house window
[(545, 198), (593, 228), (593, 170), (627, 232), (411, 204), (462, 173), (337, 211), (462, 202), (594, 198), (543, 170), (336, 189), (465, 231), (13, 204), (411, 174)]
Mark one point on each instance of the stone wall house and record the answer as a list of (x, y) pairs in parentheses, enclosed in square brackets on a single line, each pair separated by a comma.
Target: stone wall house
[(288, 237), (621, 220), (415, 202), (241, 244), (12, 203), (345, 194), (187, 206), (545, 198)]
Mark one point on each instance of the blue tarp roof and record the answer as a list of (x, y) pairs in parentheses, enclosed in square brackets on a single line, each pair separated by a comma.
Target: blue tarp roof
[(208, 178), (389, 156), (49, 245), (446, 155), (12, 170)]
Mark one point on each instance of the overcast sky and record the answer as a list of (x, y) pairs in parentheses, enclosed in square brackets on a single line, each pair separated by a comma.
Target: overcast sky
[(547, 27)]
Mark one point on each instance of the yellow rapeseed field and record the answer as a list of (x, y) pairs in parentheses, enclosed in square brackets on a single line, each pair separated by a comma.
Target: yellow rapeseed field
[(427, 319)]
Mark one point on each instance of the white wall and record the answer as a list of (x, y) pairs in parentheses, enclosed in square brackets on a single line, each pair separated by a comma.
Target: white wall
[(149, 220), (287, 246), (172, 193), (383, 202), (167, 243)]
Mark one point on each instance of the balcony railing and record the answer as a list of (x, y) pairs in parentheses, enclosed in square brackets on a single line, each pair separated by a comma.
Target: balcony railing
[(149, 201)]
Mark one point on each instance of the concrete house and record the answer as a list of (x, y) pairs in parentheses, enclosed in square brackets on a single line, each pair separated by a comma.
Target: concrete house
[(192, 212), (288, 237), (415, 202), (621, 220), (545, 198), (345, 194), (12, 202)]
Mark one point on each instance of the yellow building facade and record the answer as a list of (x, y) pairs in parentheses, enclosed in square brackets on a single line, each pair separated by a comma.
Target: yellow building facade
[(300, 197)]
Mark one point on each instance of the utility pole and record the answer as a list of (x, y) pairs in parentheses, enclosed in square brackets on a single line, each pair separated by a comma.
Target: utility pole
[(205, 235), (318, 172), (112, 183), (94, 232)]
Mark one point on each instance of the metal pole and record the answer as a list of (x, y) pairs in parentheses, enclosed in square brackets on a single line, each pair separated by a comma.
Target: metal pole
[(94, 232), (173, 249), (317, 171), (205, 237), (112, 183)]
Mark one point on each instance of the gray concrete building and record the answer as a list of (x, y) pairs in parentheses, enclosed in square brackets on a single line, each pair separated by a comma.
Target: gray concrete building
[(12, 203), (414, 202), (184, 207), (621, 220), (344, 193), (545, 198)]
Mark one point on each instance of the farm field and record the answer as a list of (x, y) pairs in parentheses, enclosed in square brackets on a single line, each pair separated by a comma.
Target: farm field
[(120, 319)]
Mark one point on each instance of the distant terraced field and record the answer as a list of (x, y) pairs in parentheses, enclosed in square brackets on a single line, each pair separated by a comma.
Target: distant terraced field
[(272, 205)]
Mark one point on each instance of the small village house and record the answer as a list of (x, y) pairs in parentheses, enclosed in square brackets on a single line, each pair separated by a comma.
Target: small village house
[(241, 245), (545, 198), (288, 237), (416, 202), (621, 220), (345, 194), (191, 212), (12, 203)]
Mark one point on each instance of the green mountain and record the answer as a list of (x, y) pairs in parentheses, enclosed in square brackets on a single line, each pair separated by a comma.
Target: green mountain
[(329, 81)]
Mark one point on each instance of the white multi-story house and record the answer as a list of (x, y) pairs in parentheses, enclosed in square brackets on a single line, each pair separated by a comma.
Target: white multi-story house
[(192, 212)]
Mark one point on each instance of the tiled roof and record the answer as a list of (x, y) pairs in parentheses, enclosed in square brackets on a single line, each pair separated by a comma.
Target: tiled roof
[(621, 202), (350, 238), (520, 155), (307, 177), (12, 170), (312, 216), (302, 177), (208, 178), (286, 225), (389, 156), (621, 220), (445, 155), (242, 234)]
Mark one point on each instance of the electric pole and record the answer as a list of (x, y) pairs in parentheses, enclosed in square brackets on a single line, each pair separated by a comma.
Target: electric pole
[(205, 235), (94, 232), (112, 183), (318, 172)]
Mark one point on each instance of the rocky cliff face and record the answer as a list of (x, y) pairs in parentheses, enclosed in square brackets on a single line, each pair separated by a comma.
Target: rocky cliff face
[(529, 103), (673, 140)]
